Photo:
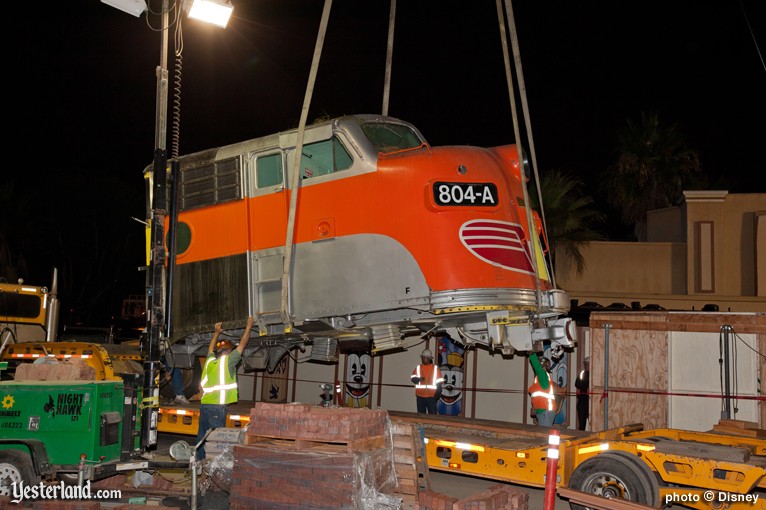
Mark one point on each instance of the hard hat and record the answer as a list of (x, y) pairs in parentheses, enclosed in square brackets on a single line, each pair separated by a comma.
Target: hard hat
[(223, 344), (426, 354)]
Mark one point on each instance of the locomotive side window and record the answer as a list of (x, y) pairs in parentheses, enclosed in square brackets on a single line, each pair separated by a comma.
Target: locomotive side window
[(325, 157), (268, 170), (386, 137)]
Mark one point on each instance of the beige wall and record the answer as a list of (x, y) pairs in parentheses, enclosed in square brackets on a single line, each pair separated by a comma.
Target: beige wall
[(712, 250), (733, 219), (643, 268)]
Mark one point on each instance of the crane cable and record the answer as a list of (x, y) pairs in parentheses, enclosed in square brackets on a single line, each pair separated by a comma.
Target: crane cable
[(389, 56), (295, 177), (512, 98)]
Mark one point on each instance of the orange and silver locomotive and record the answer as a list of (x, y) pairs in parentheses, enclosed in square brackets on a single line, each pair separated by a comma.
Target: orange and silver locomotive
[(379, 237)]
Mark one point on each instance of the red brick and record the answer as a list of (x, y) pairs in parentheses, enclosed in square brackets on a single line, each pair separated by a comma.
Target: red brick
[(430, 500), (57, 504)]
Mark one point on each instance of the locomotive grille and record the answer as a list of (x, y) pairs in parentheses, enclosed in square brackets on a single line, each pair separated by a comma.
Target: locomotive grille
[(209, 184)]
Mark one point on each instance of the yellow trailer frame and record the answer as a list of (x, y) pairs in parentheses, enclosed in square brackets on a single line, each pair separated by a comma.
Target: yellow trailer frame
[(693, 469), (175, 419)]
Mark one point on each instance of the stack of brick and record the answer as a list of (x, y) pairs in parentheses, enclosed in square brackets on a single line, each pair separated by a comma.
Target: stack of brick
[(305, 456), (430, 500), (409, 463), (53, 370), (58, 504), (360, 429), (497, 497)]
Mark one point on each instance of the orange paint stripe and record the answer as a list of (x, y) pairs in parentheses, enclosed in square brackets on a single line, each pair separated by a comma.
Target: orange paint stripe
[(395, 201)]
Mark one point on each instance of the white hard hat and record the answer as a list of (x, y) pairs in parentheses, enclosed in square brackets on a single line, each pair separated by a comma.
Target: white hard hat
[(426, 354)]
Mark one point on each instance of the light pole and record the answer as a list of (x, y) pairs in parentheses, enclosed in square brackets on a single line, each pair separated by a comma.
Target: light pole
[(155, 290), (216, 12)]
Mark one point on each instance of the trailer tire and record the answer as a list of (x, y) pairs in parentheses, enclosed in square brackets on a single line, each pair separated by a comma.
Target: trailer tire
[(615, 474), (191, 380), (15, 467)]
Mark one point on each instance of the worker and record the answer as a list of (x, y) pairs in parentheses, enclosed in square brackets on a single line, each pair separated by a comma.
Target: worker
[(177, 383), (582, 383), (219, 381), (428, 380), (543, 392)]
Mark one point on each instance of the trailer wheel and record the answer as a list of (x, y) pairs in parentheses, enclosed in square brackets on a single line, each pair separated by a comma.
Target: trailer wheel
[(15, 467), (615, 475), (191, 381)]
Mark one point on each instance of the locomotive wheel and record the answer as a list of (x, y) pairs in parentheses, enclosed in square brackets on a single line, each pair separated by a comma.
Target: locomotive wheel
[(615, 475), (15, 467)]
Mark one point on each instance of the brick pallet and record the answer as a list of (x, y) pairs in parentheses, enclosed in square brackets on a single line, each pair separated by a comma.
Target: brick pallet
[(305, 456), (409, 463)]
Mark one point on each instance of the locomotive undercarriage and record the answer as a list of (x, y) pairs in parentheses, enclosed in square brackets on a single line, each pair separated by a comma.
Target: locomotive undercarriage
[(505, 328)]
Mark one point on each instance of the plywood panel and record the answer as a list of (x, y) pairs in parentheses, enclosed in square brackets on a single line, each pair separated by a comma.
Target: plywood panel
[(638, 378), (762, 378), (639, 360)]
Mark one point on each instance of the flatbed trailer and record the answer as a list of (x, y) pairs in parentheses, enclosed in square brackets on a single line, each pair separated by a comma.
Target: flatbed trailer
[(654, 467), (184, 419)]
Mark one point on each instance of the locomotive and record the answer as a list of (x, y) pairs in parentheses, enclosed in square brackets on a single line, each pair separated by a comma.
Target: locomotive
[(380, 238)]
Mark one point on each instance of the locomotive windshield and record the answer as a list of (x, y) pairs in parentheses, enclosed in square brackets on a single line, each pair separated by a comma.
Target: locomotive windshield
[(387, 137)]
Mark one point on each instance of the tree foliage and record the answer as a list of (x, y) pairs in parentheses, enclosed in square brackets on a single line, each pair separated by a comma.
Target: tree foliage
[(653, 167), (569, 215)]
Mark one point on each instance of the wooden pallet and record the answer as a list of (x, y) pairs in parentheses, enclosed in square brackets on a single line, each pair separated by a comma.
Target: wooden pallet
[(739, 428), (351, 446), (409, 463)]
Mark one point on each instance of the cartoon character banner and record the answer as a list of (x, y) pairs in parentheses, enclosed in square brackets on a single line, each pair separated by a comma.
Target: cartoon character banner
[(274, 386), (559, 370), (358, 366), (451, 359)]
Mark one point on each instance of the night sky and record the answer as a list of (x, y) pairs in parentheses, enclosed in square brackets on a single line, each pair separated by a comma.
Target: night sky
[(81, 82)]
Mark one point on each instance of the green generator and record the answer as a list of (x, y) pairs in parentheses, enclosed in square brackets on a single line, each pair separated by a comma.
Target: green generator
[(48, 427)]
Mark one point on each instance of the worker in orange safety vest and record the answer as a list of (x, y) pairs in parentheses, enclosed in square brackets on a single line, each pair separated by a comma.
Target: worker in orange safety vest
[(543, 392), (428, 380)]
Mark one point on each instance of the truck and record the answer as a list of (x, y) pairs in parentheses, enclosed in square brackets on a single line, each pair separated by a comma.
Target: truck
[(69, 410), (28, 313)]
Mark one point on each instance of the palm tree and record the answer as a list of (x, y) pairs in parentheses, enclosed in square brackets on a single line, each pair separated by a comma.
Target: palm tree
[(653, 168), (569, 215)]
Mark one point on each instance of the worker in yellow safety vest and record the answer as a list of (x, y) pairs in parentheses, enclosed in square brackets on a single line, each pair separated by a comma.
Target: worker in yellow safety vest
[(219, 381), (428, 380), (543, 392)]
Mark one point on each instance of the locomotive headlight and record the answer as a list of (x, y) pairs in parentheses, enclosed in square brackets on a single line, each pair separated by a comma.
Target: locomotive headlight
[(462, 170)]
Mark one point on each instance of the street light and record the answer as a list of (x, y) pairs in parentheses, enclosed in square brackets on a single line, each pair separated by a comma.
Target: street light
[(218, 13)]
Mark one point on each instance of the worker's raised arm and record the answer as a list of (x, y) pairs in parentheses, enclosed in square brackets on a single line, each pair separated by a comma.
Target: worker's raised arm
[(542, 375), (218, 329), (245, 335)]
